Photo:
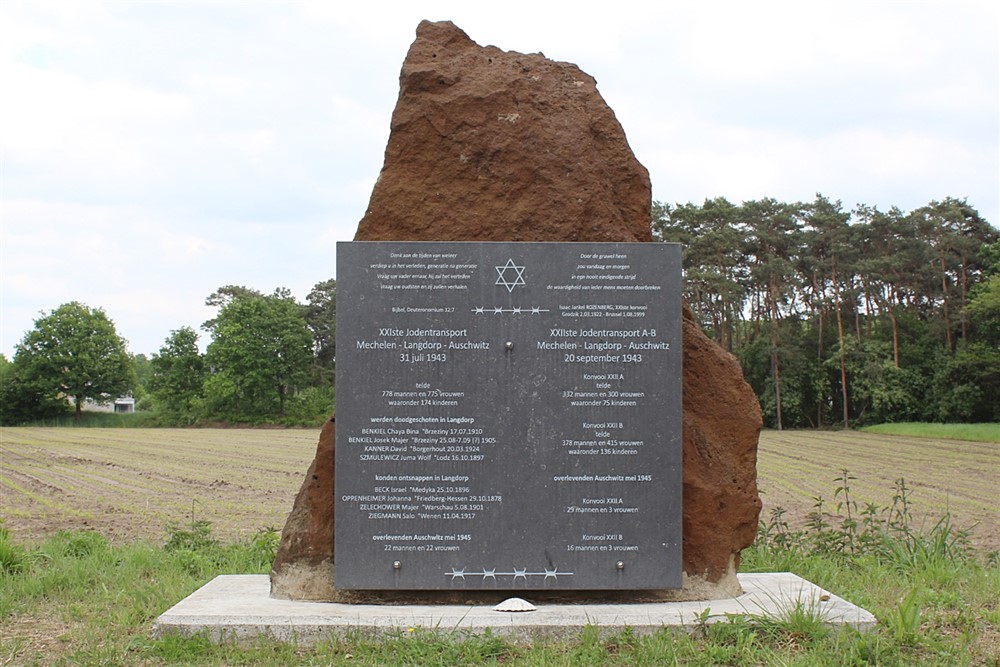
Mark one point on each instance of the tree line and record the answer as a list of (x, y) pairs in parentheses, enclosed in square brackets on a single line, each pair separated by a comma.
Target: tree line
[(844, 317), (837, 317), (270, 359)]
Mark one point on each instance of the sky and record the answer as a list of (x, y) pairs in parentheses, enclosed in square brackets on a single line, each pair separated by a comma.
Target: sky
[(151, 152)]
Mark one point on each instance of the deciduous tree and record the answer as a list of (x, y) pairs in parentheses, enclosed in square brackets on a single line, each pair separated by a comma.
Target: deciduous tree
[(260, 354), (321, 316), (75, 352), (178, 373)]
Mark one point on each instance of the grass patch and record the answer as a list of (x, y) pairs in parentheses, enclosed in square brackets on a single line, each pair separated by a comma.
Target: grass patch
[(89, 598), (972, 432), (934, 595), (77, 599)]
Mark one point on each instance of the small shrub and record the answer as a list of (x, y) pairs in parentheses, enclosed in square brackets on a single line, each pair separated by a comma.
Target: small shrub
[(803, 621), (196, 536), (262, 548), (888, 534)]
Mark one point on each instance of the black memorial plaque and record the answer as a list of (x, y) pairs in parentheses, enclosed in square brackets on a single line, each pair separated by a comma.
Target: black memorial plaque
[(508, 416)]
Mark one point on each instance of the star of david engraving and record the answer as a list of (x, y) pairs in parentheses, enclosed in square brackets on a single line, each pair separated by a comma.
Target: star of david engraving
[(510, 275)]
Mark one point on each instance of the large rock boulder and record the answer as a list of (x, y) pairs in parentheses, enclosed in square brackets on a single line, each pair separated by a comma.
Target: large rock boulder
[(488, 145)]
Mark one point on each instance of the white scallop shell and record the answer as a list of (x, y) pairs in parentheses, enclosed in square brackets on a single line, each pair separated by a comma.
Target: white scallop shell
[(514, 604)]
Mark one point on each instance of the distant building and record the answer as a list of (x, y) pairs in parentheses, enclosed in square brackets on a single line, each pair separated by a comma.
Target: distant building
[(125, 404), (122, 405)]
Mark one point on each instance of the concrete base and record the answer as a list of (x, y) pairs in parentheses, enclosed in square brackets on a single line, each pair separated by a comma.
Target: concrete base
[(240, 607)]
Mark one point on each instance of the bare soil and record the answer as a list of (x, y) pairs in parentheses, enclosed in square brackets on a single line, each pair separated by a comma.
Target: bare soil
[(133, 484), (959, 478), (138, 483)]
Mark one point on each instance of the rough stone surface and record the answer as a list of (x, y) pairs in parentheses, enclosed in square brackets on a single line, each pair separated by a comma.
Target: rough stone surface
[(303, 566), (721, 423), (488, 145)]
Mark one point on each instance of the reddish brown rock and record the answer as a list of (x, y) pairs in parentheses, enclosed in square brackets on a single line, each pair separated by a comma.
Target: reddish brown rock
[(721, 423), (488, 145), (303, 566)]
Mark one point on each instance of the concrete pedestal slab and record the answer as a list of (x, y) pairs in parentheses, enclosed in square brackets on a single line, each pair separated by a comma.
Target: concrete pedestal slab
[(240, 607)]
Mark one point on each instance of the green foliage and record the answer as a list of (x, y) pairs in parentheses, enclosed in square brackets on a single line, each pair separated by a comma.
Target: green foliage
[(716, 272), (312, 405), (260, 356), (984, 309), (882, 391), (73, 352), (102, 598), (142, 370), (805, 382), (321, 316), (13, 558), (886, 534), (907, 575), (904, 620), (225, 295), (966, 385), (192, 538), (840, 318), (177, 375), (23, 400), (262, 548), (200, 554), (77, 544)]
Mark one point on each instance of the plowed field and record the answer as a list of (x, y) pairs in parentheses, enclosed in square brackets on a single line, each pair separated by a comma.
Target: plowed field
[(135, 483), (956, 476)]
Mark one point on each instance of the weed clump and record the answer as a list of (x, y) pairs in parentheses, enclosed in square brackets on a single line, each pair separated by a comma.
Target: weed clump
[(888, 534), (13, 559), (882, 559), (200, 554)]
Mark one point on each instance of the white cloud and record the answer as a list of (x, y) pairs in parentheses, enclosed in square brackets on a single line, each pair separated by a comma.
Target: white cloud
[(252, 146), (152, 152), (47, 110)]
